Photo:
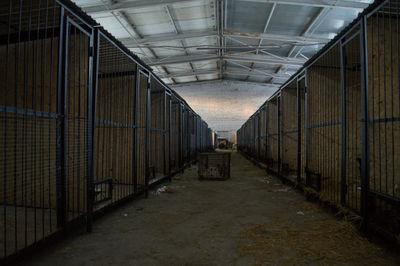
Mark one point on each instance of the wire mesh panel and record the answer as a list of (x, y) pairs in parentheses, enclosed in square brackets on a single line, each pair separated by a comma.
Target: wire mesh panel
[(324, 125), (383, 35), (157, 130), (141, 123), (289, 129), (28, 116), (263, 133), (192, 134), (114, 167), (167, 134), (176, 132), (272, 135), (352, 96), (252, 137), (256, 121), (303, 128), (76, 98), (185, 134)]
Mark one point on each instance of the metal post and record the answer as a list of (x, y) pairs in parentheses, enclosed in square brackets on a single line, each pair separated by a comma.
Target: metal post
[(61, 111), (259, 137), (278, 99), (306, 120), (266, 132), (365, 124), (135, 150), (170, 133), (148, 124), (299, 131), (180, 134), (343, 109), (165, 132), (93, 73)]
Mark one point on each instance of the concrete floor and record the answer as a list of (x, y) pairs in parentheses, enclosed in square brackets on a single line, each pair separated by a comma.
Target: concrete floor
[(251, 219)]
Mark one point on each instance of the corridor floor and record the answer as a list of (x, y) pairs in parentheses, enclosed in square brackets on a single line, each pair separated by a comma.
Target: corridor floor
[(250, 219)]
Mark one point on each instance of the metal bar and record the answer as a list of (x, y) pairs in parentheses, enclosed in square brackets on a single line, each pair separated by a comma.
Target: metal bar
[(170, 134), (298, 131), (343, 131), (165, 134), (384, 120), (136, 150), (10, 109), (116, 124), (279, 133), (93, 87), (61, 110), (333, 123), (306, 110), (148, 124), (365, 124)]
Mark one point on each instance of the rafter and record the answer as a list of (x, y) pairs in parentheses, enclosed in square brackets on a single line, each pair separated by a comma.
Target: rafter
[(300, 40), (213, 81), (239, 58), (230, 71)]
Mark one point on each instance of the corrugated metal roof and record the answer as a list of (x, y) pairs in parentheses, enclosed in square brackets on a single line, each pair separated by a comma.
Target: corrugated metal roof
[(197, 40)]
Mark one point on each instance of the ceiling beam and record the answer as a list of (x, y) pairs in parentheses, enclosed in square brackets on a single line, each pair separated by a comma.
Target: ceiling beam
[(230, 71), (232, 57), (278, 37), (183, 59), (146, 3), (300, 40), (266, 59), (214, 81)]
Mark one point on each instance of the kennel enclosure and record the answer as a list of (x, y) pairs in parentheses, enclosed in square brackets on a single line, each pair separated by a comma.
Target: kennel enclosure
[(84, 123), (334, 126)]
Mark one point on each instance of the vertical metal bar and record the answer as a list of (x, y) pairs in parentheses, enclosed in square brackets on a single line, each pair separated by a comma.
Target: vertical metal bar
[(93, 81), (266, 130), (5, 133), (306, 122), (180, 127), (365, 123), (165, 133), (259, 137), (135, 151), (343, 133), (170, 134), (61, 110), (279, 133), (148, 124), (298, 131)]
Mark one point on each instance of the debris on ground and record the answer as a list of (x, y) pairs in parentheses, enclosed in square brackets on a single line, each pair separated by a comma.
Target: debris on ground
[(300, 213), (165, 189)]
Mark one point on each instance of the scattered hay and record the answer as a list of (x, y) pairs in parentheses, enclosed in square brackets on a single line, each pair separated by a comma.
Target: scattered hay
[(308, 241)]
